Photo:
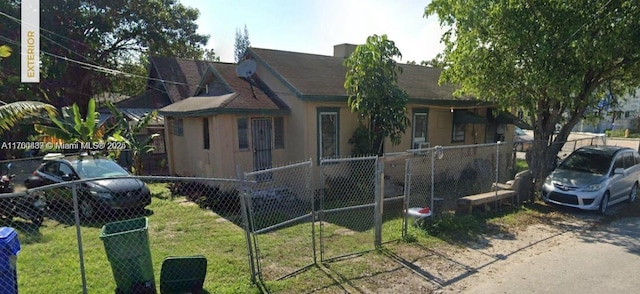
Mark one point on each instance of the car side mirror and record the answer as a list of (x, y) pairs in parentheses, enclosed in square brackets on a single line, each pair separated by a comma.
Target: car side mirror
[(67, 177), (618, 171)]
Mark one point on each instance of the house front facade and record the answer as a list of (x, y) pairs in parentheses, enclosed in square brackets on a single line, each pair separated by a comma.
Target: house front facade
[(294, 108)]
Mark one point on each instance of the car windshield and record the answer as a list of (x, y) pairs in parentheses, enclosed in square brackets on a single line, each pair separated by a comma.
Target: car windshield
[(98, 168), (595, 163), (520, 132)]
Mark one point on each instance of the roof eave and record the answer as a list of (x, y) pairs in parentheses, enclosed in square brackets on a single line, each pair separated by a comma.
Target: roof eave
[(215, 111)]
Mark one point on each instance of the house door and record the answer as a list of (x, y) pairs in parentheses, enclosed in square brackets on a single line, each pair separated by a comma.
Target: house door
[(261, 131)]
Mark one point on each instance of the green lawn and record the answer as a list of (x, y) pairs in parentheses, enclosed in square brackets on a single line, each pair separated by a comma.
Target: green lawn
[(49, 262)]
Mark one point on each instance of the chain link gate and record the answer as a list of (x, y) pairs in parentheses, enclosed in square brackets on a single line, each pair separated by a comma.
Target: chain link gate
[(394, 187), (348, 205), (280, 207)]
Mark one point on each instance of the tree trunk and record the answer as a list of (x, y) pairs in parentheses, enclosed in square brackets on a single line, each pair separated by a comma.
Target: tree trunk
[(542, 158)]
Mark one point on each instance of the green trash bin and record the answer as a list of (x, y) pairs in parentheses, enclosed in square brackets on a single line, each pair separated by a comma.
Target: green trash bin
[(127, 247)]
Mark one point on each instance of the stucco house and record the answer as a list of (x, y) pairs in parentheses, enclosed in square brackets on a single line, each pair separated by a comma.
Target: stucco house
[(294, 108)]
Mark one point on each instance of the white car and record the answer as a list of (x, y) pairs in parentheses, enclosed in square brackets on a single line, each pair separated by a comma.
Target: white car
[(522, 140), (594, 177)]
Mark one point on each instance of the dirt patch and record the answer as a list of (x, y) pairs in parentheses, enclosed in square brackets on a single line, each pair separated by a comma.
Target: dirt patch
[(453, 268)]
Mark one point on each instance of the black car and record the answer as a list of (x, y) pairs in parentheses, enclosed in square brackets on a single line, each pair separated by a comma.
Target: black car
[(113, 187)]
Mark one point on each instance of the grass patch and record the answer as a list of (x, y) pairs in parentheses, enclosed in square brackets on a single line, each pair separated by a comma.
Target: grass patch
[(49, 259), (521, 165)]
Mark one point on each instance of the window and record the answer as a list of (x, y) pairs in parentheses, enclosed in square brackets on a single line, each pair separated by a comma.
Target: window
[(243, 133), (177, 127), (278, 130), (65, 170), (328, 120), (458, 132), (419, 129), (205, 133), (619, 163), (628, 160)]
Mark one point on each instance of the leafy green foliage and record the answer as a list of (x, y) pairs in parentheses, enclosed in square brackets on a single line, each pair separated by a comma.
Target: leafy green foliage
[(553, 59), (362, 141), (71, 127), (128, 133), (108, 34), (372, 82), (5, 51), (11, 113)]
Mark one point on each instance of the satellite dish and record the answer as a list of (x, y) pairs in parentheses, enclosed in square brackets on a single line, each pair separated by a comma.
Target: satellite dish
[(246, 68)]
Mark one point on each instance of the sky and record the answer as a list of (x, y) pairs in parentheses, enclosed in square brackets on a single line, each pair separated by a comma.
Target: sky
[(315, 26)]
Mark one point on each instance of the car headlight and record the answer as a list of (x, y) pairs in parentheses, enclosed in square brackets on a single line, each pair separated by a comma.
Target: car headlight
[(103, 195), (592, 187), (548, 181)]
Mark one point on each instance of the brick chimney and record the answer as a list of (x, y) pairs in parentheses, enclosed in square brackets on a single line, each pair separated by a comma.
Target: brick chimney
[(343, 50)]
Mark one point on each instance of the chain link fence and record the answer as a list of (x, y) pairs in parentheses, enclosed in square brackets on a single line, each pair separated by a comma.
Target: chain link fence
[(123, 232), (439, 179), (281, 209), (128, 235)]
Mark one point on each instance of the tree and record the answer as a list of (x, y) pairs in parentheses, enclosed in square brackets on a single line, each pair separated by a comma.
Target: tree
[(241, 44), (128, 133), (372, 83), (100, 36), (553, 59), (11, 113), (71, 127)]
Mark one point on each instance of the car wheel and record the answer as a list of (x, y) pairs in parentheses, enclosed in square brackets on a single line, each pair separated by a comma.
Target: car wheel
[(633, 195), (87, 208), (604, 203)]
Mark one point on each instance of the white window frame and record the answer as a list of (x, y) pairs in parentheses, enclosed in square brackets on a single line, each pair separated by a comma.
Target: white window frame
[(420, 143), (321, 114)]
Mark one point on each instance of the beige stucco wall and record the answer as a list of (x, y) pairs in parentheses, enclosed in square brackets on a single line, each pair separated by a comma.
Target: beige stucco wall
[(295, 128), (189, 158)]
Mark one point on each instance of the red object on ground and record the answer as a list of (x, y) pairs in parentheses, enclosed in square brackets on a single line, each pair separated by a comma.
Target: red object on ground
[(424, 210)]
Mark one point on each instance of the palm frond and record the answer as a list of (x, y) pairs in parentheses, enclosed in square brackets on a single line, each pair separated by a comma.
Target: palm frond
[(13, 112)]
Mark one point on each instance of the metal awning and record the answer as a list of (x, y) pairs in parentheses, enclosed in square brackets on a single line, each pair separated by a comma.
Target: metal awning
[(468, 117), (509, 118)]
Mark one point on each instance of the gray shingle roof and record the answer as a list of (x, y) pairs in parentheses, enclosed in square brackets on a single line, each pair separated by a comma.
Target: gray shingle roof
[(320, 75)]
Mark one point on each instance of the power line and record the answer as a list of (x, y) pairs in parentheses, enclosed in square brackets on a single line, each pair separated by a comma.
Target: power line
[(93, 67), (19, 21)]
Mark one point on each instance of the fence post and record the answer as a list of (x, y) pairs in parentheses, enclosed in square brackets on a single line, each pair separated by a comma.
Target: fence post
[(437, 149), (310, 189), (407, 193), (379, 195), (497, 171), (242, 189), (320, 208), (76, 214)]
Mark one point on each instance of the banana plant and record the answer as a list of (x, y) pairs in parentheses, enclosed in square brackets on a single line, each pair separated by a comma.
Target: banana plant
[(70, 127), (127, 133)]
